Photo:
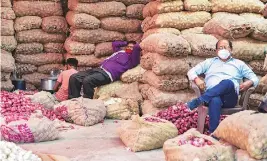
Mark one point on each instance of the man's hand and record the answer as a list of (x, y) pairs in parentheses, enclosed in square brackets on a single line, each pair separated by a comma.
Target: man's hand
[(200, 83), (246, 85)]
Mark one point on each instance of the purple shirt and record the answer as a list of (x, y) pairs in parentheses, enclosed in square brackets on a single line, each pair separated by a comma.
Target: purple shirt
[(120, 61)]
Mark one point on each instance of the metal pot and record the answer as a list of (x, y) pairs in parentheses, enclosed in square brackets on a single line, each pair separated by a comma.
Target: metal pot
[(47, 84)]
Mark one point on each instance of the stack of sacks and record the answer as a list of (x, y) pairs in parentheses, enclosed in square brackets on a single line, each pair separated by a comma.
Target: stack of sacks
[(243, 23), (167, 51), (41, 32), (8, 44), (96, 23)]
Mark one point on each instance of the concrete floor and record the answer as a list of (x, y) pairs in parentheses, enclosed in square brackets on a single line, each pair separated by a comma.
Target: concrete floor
[(95, 143)]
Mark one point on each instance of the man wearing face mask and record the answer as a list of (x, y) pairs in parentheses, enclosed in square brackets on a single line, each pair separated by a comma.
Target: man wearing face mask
[(126, 56), (223, 75)]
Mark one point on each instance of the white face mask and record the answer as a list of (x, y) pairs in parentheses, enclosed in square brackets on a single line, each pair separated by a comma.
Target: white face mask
[(224, 54)]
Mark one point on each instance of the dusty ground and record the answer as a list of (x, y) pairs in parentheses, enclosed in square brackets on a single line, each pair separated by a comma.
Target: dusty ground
[(96, 143)]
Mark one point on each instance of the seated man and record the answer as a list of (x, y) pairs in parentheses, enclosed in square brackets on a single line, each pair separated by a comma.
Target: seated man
[(126, 56), (63, 79), (223, 75)]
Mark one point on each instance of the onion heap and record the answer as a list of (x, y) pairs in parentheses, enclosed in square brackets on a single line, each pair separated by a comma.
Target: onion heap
[(195, 141)]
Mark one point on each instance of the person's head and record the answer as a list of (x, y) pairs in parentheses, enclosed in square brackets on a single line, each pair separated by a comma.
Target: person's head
[(71, 63), (224, 49), (129, 47)]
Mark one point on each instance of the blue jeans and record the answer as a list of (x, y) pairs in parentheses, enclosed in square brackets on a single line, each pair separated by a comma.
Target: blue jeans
[(220, 96)]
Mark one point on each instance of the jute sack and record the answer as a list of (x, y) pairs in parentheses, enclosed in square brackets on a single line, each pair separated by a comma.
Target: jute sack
[(82, 20), (178, 20), (37, 8), (203, 45), (108, 90), (34, 78), (6, 3), (8, 43), (39, 59), (247, 131), (7, 13), (255, 100), (54, 48), (197, 5), (192, 61), (33, 130), (103, 49), (161, 30), (7, 29), (148, 108), (7, 85), (166, 44), (147, 61), (187, 152), (79, 48), (135, 11), (27, 23), (155, 7), (121, 24), (99, 9), (236, 6), (7, 62), (55, 24), (29, 48), (141, 135), (228, 25), (133, 75), (87, 60), (257, 67), (47, 68), (38, 35), (82, 111), (242, 155), (95, 36), (165, 82), (26, 68), (262, 86), (195, 30), (130, 2), (122, 109), (5, 76), (44, 98), (137, 37)]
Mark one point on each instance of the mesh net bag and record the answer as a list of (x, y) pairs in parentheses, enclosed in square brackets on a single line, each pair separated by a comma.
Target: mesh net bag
[(26, 68), (137, 37), (79, 48), (148, 108), (54, 48), (7, 62), (133, 75), (135, 11), (121, 24), (195, 30), (54, 24), (7, 29), (47, 68), (29, 48), (87, 60), (146, 61), (34, 78), (7, 85), (161, 30), (197, 5), (82, 20), (39, 59), (6, 3), (8, 43), (242, 155), (27, 23), (257, 67), (7, 13), (103, 49), (262, 86)]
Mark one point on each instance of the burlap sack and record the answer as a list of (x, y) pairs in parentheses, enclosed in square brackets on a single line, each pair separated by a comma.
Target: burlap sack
[(155, 7), (197, 5), (228, 25), (257, 67), (135, 11), (103, 49), (137, 37), (108, 90), (27, 23), (195, 30), (5, 76), (242, 155), (141, 135), (7, 62), (7, 85), (44, 98), (82, 20), (7, 28), (161, 99), (99, 9), (187, 152), (95, 36), (122, 109), (247, 131), (7, 13), (236, 6), (87, 60), (161, 30), (38, 35), (163, 65), (29, 48), (6, 3), (54, 48), (8, 43), (203, 45), (46, 69), (74, 47), (39, 59), (165, 82), (54, 24), (148, 108), (178, 20), (262, 86), (34, 130), (37, 8), (255, 100), (34, 78), (26, 68), (133, 75), (82, 111), (121, 24), (146, 61), (193, 60), (130, 2), (248, 49), (166, 44)]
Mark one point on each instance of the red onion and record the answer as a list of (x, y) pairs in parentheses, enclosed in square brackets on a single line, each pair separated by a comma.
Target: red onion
[(195, 141)]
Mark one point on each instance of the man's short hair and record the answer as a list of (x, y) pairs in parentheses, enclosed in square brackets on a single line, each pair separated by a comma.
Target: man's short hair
[(131, 42), (72, 62), (229, 42)]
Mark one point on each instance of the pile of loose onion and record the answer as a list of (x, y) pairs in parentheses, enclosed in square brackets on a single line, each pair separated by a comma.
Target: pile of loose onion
[(195, 141), (152, 119)]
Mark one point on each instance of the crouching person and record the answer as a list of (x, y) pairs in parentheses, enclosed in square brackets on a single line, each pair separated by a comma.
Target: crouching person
[(126, 56)]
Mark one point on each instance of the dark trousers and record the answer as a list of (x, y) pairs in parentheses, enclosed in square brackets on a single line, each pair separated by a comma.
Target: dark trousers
[(220, 96), (89, 79)]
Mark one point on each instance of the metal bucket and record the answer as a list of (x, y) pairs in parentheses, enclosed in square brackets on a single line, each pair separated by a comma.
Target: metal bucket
[(19, 84), (47, 84)]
